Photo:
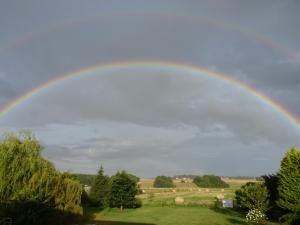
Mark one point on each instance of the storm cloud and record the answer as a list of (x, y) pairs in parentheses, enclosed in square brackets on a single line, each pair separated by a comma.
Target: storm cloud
[(156, 120)]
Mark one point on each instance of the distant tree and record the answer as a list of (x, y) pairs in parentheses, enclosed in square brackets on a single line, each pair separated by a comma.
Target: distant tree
[(163, 182), (289, 185), (123, 190), (253, 196), (210, 181), (85, 179), (100, 189)]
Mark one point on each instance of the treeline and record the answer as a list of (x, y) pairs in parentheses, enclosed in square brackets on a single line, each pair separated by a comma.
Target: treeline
[(206, 181), (210, 181), (85, 179)]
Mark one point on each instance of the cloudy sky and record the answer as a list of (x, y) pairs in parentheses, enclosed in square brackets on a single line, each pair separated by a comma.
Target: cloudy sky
[(154, 119)]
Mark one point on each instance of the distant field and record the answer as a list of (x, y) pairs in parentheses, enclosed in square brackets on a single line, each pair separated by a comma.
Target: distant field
[(159, 206), (192, 194)]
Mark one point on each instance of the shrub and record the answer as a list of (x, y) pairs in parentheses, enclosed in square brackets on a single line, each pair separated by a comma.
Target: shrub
[(210, 181), (163, 182), (252, 196)]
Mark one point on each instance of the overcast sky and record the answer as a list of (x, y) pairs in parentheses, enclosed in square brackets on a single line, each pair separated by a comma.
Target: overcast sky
[(153, 120)]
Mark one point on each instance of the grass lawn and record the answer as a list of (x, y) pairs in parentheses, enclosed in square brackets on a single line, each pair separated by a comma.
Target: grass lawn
[(173, 215), (159, 207)]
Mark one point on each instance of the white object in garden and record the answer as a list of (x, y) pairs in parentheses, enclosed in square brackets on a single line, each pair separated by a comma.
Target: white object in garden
[(227, 203)]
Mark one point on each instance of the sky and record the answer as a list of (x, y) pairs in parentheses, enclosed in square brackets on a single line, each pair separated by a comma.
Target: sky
[(153, 118)]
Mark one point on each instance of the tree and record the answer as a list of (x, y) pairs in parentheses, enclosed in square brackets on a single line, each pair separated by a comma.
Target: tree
[(163, 182), (25, 177), (271, 182), (253, 196), (123, 190), (100, 189), (210, 181), (289, 184)]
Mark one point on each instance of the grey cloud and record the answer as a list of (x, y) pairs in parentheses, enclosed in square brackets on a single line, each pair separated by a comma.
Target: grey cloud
[(254, 42)]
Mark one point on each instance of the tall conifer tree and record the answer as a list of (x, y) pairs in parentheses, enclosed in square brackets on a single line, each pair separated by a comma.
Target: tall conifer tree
[(289, 184)]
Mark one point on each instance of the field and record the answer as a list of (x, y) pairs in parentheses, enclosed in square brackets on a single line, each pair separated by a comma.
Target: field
[(159, 207)]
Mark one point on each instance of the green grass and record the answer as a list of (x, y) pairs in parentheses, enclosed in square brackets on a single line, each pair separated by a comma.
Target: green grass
[(174, 215), (159, 207)]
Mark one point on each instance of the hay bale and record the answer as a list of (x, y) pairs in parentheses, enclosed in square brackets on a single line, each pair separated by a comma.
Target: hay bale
[(173, 190), (220, 196), (207, 190), (222, 190), (179, 200)]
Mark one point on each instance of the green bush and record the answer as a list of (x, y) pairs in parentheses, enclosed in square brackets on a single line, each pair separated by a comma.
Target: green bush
[(210, 181), (252, 196), (163, 182)]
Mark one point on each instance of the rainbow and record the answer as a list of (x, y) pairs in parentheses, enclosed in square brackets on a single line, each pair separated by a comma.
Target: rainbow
[(170, 66), (267, 41)]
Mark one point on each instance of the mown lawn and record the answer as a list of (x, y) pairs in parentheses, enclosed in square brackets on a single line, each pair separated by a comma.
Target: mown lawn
[(173, 215), (159, 207)]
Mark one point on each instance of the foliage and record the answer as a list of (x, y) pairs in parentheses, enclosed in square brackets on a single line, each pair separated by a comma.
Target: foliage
[(86, 179), (218, 204), (26, 177), (163, 182), (289, 184), (252, 196), (133, 177), (271, 182), (122, 191), (255, 216), (210, 181), (100, 189)]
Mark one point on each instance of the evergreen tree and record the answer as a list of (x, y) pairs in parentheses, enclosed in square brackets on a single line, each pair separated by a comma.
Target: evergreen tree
[(100, 189), (122, 191), (289, 184)]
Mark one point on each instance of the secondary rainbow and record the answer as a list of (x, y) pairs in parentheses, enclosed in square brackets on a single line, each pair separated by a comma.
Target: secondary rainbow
[(102, 68), (178, 16)]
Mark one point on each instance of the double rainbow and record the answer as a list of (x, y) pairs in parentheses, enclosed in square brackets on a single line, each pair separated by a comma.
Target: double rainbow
[(171, 66)]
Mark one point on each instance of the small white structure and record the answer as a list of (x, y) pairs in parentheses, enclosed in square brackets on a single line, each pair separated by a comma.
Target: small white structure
[(227, 203), (87, 188)]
